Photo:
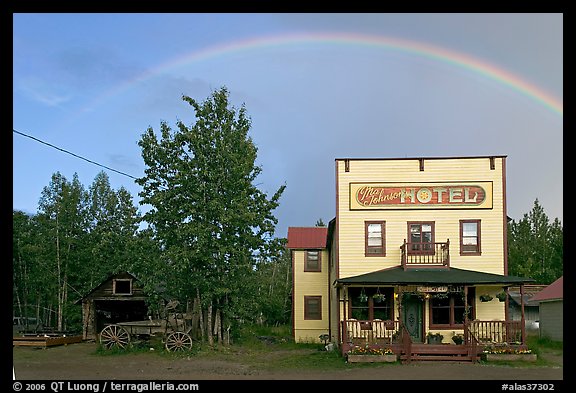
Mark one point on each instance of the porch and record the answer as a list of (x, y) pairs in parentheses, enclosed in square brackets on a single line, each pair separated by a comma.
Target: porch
[(477, 335)]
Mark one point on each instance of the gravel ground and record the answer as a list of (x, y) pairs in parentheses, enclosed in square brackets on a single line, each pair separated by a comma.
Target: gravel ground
[(79, 362)]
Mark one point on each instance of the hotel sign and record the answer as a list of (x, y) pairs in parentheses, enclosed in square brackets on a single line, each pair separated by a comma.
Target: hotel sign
[(446, 195), (433, 289)]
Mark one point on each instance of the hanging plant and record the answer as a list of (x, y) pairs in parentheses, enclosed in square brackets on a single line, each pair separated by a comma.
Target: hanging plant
[(363, 297), (485, 298), (501, 296), (378, 297)]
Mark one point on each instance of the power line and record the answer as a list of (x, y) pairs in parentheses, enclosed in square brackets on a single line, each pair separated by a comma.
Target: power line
[(72, 154)]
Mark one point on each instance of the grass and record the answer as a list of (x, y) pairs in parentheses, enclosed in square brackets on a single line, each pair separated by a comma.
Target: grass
[(273, 348)]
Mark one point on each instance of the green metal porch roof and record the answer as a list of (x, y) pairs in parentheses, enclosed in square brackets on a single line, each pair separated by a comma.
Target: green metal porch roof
[(397, 275)]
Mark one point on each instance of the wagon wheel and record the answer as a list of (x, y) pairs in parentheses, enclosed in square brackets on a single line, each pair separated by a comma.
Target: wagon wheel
[(114, 336), (178, 341)]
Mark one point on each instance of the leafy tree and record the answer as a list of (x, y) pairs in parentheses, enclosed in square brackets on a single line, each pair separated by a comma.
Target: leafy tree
[(74, 242), (30, 276), (535, 247), (210, 219), (62, 217), (113, 223)]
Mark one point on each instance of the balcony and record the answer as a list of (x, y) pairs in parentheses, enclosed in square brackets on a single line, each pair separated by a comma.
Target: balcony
[(425, 254)]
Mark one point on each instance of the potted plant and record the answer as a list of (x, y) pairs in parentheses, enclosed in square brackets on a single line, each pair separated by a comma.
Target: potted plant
[(434, 338), (368, 354), (458, 339), (501, 296), (485, 298), (379, 297), (506, 353)]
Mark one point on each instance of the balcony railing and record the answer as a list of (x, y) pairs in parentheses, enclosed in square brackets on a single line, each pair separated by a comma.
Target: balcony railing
[(425, 254)]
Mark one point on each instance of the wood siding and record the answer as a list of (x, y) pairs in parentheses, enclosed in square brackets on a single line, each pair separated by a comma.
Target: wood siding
[(552, 320), (310, 284), (350, 223), (493, 310)]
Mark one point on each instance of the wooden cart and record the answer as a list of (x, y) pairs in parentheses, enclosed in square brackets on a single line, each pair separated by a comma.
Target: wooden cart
[(174, 328)]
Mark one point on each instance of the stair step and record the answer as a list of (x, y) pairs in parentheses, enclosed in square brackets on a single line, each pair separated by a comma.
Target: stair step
[(420, 357)]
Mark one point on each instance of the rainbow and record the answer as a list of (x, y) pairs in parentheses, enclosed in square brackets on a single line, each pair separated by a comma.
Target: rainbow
[(436, 53)]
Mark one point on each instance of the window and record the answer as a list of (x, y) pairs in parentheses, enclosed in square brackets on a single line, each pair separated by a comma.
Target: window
[(371, 303), (447, 309), (421, 237), (374, 243), (122, 287), (312, 261), (470, 237), (312, 307)]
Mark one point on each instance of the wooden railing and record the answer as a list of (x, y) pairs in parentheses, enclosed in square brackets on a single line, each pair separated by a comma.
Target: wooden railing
[(471, 342), (406, 342), (371, 332), (425, 254), (496, 332)]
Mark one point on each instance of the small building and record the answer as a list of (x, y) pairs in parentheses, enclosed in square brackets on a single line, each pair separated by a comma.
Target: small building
[(417, 249), (119, 298), (551, 300), (531, 309)]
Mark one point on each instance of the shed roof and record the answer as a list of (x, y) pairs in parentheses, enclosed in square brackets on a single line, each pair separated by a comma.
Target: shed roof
[(554, 291), (307, 237), (397, 275)]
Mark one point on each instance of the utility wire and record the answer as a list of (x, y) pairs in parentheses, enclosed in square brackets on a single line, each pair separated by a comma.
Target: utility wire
[(72, 154)]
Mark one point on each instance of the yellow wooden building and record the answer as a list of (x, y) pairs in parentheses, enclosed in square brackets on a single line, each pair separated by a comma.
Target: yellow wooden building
[(416, 252)]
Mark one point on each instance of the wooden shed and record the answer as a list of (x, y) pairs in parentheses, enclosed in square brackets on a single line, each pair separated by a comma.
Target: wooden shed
[(551, 301), (119, 298)]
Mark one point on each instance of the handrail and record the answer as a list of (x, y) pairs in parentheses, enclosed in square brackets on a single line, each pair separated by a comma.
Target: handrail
[(497, 332), (406, 342), (471, 342), (429, 254)]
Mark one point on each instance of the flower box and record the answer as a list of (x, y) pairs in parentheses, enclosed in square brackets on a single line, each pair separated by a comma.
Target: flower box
[(527, 357), (390, 358)]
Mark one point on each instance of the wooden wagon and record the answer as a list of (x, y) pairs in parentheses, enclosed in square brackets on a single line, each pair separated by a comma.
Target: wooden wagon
[(174, 328)]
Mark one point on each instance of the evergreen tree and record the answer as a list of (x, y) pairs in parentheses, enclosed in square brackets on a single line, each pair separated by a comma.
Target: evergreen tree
[(535, 247)]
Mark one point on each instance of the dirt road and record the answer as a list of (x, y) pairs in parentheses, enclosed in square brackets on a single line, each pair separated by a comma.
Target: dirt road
[(80, 362)]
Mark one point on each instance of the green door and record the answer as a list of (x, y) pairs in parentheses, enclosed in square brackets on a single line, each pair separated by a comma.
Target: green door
[(412, 317)]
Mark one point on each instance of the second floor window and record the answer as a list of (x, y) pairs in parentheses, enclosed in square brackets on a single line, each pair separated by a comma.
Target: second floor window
[(374, 239), (421, 237), (313, 260), (122, 286), (469, 237)]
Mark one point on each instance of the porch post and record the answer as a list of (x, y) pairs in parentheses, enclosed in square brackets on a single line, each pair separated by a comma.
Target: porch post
[(399, 305), (345, 315), (465, 305), (523, 322)]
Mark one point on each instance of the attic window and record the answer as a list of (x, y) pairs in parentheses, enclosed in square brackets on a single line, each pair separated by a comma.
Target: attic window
[(122, 287)]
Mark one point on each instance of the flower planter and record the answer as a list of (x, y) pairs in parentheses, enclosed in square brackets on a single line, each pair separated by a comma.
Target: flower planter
[(434, 340), (526, 357), (372, 358)]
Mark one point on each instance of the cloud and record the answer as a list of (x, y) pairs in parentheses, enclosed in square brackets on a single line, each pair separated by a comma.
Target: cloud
[(42, 91)]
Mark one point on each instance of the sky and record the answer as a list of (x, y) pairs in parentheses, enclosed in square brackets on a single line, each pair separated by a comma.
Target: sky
[(316, 86)]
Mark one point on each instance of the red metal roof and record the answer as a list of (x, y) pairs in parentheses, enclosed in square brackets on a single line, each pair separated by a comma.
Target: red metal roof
[(307, 237), (552, 291)]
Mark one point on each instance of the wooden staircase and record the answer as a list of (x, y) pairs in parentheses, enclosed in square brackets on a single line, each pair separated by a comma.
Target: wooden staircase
[(440, 352)]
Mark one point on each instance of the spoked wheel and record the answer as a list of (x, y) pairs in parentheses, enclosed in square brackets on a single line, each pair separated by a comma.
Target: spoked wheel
[(178, 341), (114, 336)]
